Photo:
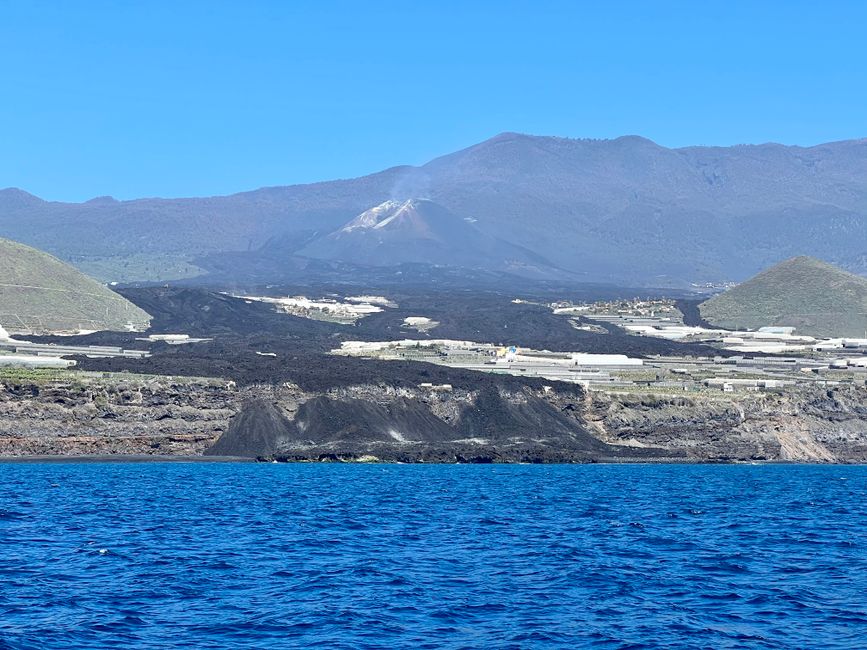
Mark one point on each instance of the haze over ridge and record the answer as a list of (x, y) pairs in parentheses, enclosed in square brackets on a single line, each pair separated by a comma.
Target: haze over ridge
[(624, 210)]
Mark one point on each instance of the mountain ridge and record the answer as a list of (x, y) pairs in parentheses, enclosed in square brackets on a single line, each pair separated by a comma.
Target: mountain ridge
[(502, 136), (623, 210)]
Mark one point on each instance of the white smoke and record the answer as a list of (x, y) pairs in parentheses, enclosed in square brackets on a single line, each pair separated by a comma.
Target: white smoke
[(412, 183)]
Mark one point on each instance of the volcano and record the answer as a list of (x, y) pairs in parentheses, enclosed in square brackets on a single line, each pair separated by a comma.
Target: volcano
[(422, 232)]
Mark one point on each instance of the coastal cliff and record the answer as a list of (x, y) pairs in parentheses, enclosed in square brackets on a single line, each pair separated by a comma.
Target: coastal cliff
[(815, 424), (43, 413), (106, 414)]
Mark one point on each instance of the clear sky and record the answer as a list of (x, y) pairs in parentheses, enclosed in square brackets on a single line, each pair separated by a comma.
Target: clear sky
[(186, 99)]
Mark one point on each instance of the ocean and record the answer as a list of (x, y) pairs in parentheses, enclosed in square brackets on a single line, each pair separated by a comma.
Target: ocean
[(436, 556)]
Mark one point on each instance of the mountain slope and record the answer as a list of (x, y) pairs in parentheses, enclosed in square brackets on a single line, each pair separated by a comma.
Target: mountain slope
[(816, 298), (623, 210), (422, 232), (40, 294)]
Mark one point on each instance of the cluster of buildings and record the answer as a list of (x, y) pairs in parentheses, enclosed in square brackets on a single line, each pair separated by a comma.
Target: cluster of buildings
[(25, 354), (575, 367), (662, 319), (172, 339), (770, 359), (28, 354), (346, 311)]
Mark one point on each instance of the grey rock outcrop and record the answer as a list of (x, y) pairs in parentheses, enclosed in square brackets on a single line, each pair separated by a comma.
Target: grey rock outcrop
[(129, 415)]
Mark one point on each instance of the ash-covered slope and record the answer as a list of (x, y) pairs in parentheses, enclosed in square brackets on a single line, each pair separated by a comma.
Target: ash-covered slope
[(624, 210), (40, 294), (482, 424), (486, 422), (815, 297), (420, 231), (257, 430)]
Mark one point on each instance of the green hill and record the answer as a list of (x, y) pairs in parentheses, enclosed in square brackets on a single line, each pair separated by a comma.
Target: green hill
[(816, 298), (40, 294)]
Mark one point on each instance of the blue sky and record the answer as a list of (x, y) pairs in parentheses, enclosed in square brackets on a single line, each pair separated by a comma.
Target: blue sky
[(189, 99)]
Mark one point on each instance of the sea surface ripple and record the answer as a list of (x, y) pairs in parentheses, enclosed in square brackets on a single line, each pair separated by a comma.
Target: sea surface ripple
[(393, 556)]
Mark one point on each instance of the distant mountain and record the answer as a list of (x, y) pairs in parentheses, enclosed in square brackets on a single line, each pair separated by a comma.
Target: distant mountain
[(423, 232), (40, 294), (816, 298), (624, 210)]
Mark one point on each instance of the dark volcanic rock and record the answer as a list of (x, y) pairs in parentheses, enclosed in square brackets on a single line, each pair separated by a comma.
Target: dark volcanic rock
[(375, 422), (84, 415), (326, 420), (495, 417), (304, 404), (241, 328), (476, 422), (258, 430)]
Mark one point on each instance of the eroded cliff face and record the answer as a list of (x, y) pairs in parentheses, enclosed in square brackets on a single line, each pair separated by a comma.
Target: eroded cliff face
[(806, 424), (558, 423), (565, 424), (486, 424), (93, 415)]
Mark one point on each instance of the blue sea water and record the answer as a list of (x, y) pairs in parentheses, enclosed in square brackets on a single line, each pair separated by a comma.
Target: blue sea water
[(394, 556)]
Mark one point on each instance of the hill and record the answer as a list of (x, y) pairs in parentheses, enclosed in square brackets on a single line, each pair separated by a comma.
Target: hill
[(40, 294), (625, 210), (420, 231), (816, 298)]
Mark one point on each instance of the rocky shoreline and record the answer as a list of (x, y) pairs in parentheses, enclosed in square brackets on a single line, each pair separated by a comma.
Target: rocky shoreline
[(124, 458), (110, 417)]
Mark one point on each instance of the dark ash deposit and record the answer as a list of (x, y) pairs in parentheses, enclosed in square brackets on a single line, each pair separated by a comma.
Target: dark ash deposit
[(304, 404)]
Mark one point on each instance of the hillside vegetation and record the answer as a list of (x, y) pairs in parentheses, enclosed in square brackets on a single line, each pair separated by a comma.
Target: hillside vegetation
[(816, 298), (40, 294)]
